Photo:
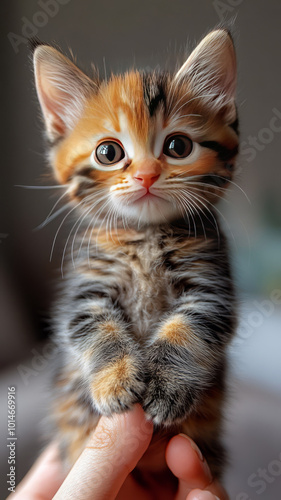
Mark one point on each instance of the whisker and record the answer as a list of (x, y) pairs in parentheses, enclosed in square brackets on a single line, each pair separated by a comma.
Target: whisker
[(57, 186), (236, 185), (228, 226), (185, 209), (90, 236), (66, 243), (92, 206), (51, 211), (199, 200), (61, 224), (182, 200), (52, 217), (108, 226), (78, 221), (197, 211), (199, 191), (95, 216), (226, 222), (201, 183)]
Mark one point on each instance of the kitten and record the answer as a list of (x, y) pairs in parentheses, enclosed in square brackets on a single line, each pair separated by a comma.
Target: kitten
[(148, 307)]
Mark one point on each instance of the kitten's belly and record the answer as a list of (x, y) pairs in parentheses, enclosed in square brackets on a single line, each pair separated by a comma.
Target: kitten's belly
[(148, 299)]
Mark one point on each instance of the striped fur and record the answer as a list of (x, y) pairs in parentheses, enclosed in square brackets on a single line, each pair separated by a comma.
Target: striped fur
[(149, 308)]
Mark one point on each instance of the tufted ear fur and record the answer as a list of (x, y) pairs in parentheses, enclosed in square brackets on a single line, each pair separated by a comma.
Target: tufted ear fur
[(62, 89), (212, 73)]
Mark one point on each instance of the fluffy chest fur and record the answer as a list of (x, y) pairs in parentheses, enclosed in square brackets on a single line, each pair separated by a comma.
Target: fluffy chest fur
[(136, 274), (147, 272)]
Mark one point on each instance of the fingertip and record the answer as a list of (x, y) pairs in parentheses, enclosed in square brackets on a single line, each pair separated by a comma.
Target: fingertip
[(187, 463), (138, 417), (183, 457), (133, 422), (201, 495)]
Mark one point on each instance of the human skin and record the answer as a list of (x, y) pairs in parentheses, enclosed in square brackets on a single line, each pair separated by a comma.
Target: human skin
[(106, 469)]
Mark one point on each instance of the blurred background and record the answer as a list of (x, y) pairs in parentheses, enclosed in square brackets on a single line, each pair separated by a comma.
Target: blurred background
[(115, 35)]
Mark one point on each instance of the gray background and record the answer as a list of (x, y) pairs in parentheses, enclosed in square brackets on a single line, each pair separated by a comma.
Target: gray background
[(117, 35)]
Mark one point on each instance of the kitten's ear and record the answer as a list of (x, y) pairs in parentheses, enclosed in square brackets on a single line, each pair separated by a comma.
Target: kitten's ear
[(211, 69), (62, 90)]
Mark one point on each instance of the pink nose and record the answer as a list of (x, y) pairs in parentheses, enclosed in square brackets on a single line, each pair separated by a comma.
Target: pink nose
[(146, 172), (146, 180)]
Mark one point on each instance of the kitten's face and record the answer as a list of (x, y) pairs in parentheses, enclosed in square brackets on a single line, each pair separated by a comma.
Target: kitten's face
[(143, 149)]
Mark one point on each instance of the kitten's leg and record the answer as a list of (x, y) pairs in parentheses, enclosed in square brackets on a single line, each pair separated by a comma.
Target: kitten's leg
[(187, 350), (106, 352), (73, 417)]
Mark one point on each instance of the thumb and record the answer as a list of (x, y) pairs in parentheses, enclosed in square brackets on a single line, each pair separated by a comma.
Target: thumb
[(111, 454)]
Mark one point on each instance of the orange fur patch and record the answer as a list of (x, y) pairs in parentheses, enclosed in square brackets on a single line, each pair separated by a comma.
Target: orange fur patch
[(174, 331), (109, 382), (110, 328), (123, 94)]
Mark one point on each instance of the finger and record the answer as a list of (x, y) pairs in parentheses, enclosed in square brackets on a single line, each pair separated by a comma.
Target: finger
[(112, 453), (186, 462), (215, 489), (43, 479), (201, 495)]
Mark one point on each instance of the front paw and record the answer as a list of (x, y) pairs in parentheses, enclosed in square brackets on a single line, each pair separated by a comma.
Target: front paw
[(118, 387), (169, 397), (165, 402)]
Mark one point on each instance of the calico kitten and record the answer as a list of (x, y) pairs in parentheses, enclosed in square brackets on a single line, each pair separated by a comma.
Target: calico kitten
[(148, 306)]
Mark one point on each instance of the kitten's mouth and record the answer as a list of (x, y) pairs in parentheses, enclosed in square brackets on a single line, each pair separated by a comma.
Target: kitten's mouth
[(148, 198), (148, 195)]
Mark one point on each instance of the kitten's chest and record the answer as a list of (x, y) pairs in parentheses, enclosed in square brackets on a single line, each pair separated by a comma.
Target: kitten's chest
[(135, 268), (142, 272), (149, 293)]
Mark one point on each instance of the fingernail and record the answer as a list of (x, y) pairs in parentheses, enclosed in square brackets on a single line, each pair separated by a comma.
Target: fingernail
[(194, 446), (200, 456), (204, 495)]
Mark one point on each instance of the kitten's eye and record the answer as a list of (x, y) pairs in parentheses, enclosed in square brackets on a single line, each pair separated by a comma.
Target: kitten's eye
[(109, 152), (177, 146)]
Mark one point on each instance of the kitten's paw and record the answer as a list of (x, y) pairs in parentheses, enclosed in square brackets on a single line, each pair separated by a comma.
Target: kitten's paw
[(169, 396), (118, 387), (165, 403)]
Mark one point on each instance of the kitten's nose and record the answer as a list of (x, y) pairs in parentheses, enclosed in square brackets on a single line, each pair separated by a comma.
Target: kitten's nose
[(147, 173)]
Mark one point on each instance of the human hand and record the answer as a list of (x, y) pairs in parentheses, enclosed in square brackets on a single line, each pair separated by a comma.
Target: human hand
[(106, 469)]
